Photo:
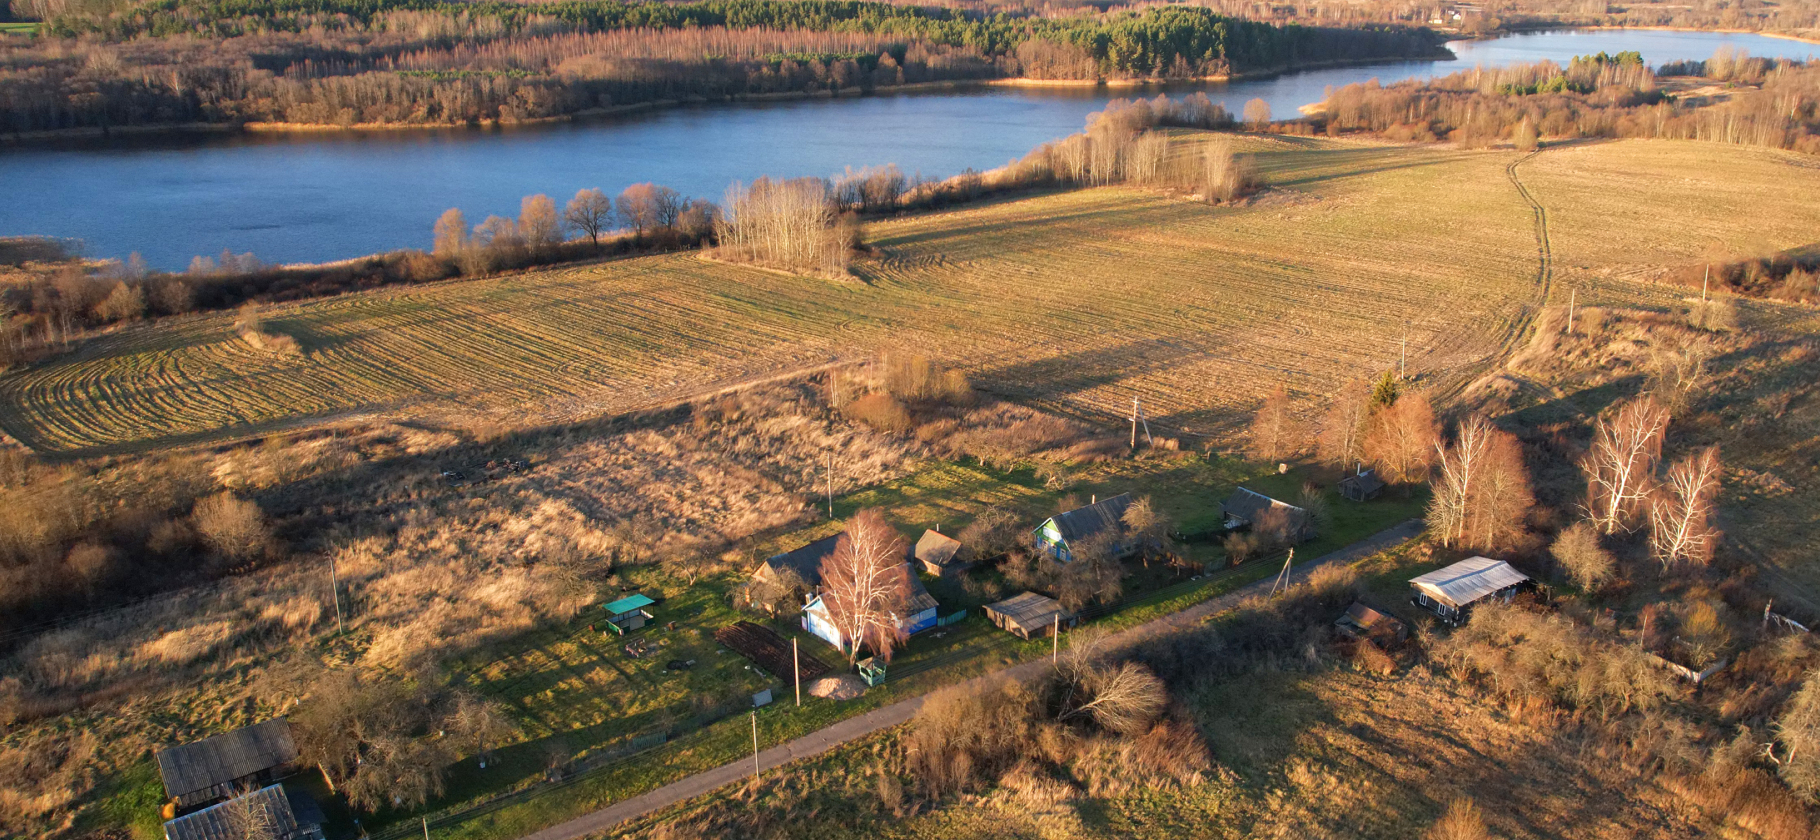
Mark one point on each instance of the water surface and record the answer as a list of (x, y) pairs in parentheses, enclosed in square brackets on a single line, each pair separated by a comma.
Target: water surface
[(318, 197)]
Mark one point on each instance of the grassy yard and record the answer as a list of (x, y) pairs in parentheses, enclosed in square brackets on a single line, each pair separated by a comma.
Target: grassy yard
[(576, 692)]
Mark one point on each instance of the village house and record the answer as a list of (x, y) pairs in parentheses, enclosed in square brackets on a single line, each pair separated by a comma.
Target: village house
[(919, 615), (217, 767), (1061, 534), (1450, 591), (806, 562), (1254, 510), (282, 814)]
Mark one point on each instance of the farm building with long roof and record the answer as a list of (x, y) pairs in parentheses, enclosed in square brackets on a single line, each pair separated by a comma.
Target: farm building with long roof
[(285, 815), (1448, 592), (1029, 615)]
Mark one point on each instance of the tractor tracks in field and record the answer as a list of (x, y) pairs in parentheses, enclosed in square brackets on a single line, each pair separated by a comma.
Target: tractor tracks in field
[(1521, 325)]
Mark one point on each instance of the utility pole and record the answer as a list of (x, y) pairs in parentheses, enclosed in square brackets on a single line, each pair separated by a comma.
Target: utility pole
[(1403, 359), (1703, 282), (1571, 295), (1283, 576), (754, 743), (335, 592), (796, 663), (1055, 640), (1134, 411), (830, 474), (426, 827)]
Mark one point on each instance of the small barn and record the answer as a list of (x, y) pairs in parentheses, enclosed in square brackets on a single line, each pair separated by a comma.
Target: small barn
[(919, 616), (213, 768), (1363, 485), (940, 554), (1029, 615), (1058, 534), (629, 613), (1249, 508), (1366, 624), (1448, 592), (288, 815)]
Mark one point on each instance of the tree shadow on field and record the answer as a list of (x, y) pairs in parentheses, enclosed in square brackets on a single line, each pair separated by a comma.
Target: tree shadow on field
[(1053, 379), (1357, 162), (1119, 215)]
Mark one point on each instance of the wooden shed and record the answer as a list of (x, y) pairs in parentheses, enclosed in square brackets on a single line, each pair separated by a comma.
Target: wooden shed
[(1448, 592), (288, 815), (1362, 485), (214, 768), (941, 554), (1249, 508), (1058, 534), (1366, 624), (1030, 615)]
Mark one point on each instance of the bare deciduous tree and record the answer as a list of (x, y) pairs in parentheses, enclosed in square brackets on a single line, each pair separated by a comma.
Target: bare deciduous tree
[(231, 525), (1461, 821), (1681, 511), (647, 208), (787, 224), (479, 724), (590, 211), (866, 585), (1587, 562), (1149, 526), (1122, 697), (1621, 464), (125, 303), (1798, 734), (451, 234), (538, 224), (1456, 468), (1342, 438), (1257, 114), (247, 817), (1274, 434), (1401, 439)]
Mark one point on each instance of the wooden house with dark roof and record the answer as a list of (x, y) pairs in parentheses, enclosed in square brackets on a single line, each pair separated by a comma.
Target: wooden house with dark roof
[(1060, 534), (919, 615), (806, 562), (1249, 509), (286, 815), (215, 768)]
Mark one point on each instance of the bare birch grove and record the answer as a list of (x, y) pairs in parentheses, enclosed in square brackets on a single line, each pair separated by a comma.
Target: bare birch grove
[(1621, 465), (866, 585), (784, 224), (1342, 438)]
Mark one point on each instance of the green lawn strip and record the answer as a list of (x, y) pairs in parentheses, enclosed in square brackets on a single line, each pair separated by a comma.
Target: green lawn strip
[(19, 28), (132, 799)]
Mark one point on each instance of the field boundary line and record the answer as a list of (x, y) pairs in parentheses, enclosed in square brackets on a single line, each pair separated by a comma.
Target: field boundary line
[(853, 728)]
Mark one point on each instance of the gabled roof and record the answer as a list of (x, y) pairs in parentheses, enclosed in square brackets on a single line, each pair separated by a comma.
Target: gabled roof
[(1367, 481), (1468, 580), (291, 814), (920, 599), (224, 758), (1029, 610), (1103, 515), (937, 548), (628, 604), (805, 561), (1248, 504)]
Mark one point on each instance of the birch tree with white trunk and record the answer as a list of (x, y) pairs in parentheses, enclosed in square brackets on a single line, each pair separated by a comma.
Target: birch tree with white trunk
[(1621, 465), (866, 586)]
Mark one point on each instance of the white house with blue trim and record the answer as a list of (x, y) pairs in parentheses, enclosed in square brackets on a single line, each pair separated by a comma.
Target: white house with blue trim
[(920, 616)]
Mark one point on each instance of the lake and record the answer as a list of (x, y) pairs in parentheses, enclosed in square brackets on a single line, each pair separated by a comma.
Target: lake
[(326, 196)]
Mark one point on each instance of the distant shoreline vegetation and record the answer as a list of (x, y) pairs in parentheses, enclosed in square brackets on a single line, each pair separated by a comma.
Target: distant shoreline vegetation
[(434, 63)]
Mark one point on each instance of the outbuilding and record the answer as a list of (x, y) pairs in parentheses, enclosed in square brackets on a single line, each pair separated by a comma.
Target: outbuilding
[(1450, 591), (629, 613), (940, 554), (1363, 623), (284, 815), (214, 768), (1363, 485), (1029, 615), (1061, 534)]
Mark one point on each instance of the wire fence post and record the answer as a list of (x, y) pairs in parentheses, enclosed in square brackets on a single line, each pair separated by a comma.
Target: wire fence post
[(754, 743)]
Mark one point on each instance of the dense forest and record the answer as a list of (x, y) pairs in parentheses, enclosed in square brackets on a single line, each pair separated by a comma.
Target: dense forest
[(429, 62), (1730, 98)]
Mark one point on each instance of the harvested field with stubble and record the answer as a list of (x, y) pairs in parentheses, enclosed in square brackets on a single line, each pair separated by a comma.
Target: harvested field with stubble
[(1075, 301)]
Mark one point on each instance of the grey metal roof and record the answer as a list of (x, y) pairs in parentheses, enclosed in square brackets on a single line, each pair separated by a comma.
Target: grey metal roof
[(1094, 518), (1248, 504), (224, 758), (292, 815), (1468, 580), (1029, 610), (937, 548)]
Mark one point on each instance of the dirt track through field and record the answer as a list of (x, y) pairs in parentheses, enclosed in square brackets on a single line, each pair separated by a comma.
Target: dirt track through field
[(851, 729)]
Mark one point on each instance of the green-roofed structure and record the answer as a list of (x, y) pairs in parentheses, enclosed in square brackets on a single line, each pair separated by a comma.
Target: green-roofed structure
[(629, 613)]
